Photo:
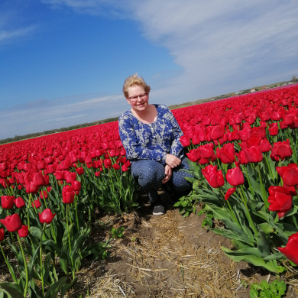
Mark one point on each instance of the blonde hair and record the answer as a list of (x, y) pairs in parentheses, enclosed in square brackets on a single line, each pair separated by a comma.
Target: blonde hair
[(134, 80)]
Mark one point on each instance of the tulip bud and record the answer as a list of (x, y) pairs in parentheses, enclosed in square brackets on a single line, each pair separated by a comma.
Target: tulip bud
[(23, 231)]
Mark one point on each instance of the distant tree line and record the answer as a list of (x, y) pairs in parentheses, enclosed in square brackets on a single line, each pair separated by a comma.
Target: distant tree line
[(52, 131)]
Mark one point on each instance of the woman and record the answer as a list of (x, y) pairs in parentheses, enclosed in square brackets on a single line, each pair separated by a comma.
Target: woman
[(151, 137)]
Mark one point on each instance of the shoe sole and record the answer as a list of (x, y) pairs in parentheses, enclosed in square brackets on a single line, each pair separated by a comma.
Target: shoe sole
[(158, 213)]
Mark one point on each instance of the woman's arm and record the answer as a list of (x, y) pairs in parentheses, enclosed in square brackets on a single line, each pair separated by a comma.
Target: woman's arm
[(176, 147), (134, 149)]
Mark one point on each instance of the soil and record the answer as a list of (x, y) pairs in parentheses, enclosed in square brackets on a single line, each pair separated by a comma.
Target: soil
[(169, 256)]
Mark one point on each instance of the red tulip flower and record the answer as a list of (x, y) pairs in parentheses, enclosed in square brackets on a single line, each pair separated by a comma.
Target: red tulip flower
[(76, 185), (280, 199), (290, 251), (36, 203), (229, 192), (80, 171), (116, 166), (213, 176), (184, 140), (12, 222), (7, 202), (124, 168), (107, 163), (226, 154), (206, 151), (23, 231), (289, 174), (70, 177), (59, 175), (38, 179), (273, 129), (46, 216), (217, 132), (1, 235), (265, 145), (31, 187), (281, 150), (193, 155), (67, 194), (235, 176), (19, 202), (43, 194), (253, 154)]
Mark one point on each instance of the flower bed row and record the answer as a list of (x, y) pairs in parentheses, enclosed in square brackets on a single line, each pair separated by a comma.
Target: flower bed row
[(243, 157)]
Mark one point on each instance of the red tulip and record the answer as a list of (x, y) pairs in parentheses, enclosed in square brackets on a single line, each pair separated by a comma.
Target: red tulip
[(265, 145), (1, 235), (253, 154), (289, 174), (217, 132), (36, 203), (124, 168), (193, 155), (23, 231), (281, 150), (67, 194), (229, 192), (31, 187), (273, 129), (215, 178), (184, 140), (226, 154), (206, 151), (70, 177), (43, 194), (290, 251), (12, 223), (46, 216), (97, 174), (235, 176), (19, 202), (7, 202), (80, 171), (76, 185), (59, 175), (280, 199), (38, 179)]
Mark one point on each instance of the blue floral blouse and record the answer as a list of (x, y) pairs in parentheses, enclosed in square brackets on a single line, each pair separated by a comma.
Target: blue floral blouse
[(151, 141)]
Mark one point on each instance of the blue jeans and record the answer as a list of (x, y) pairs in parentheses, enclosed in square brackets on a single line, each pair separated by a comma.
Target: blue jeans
[(150, 174)]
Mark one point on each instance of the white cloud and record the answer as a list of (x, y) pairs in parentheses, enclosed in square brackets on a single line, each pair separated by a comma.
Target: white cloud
[(221, 46)]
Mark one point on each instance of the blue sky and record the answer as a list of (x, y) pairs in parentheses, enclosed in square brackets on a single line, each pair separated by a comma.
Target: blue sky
[(63, 62)]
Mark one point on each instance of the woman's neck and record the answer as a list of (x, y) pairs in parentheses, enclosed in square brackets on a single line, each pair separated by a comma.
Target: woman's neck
[(149, 115)]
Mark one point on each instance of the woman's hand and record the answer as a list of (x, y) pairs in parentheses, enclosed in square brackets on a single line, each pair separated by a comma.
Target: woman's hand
[(168, 173), (172, 160)]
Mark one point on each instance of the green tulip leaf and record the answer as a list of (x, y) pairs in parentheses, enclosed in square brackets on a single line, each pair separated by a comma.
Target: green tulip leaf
[(66, 287), (55, 288), (277, 256), (46, 268), (11, 290), (32, 263), (263, 244), (36, 232), (266, 228)]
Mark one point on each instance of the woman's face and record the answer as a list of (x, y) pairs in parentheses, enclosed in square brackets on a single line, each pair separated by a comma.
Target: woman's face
[(137, 98)]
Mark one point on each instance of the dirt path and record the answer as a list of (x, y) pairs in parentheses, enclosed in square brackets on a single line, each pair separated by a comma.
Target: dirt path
[(169, 256)]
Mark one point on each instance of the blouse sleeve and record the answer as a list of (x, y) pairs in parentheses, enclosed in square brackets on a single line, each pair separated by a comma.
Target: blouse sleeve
[(176, 147), (134, 149)]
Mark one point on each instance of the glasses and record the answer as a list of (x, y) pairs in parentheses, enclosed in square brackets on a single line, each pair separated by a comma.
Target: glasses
[(135, 98)]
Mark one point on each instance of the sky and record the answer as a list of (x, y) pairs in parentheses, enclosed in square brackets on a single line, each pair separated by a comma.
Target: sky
[(64, 62)]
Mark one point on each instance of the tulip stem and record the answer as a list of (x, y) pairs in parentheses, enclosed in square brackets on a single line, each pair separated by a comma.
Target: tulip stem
[(11, 272), (67, 206), (262, 187), (233, 215), (40, 256), (77, 220), (241, 192), (25, 265), (250, 187)]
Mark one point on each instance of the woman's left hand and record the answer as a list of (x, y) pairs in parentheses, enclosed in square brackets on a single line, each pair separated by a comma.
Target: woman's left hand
[(168, 173)]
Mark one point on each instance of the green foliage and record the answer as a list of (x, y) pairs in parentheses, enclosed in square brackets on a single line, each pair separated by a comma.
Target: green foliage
[(275, 289), (117, 233)]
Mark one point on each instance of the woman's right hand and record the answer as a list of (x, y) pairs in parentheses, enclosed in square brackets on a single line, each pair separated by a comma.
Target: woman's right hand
[(172, 160)]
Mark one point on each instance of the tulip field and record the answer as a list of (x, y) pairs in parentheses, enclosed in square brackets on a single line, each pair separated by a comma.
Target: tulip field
[(243, 158)]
